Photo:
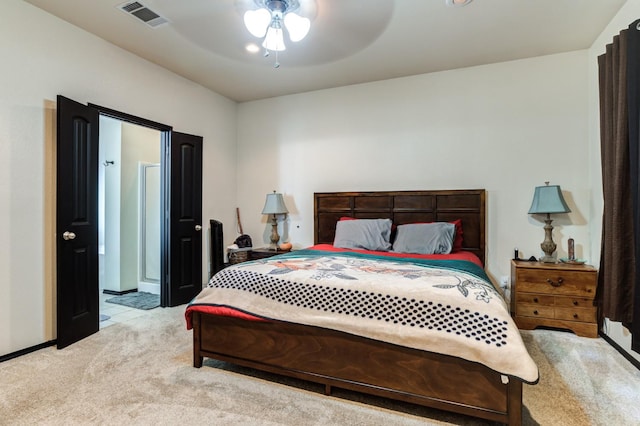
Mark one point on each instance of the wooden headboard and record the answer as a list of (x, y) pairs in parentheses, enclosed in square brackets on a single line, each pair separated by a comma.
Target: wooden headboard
[(404, 207)]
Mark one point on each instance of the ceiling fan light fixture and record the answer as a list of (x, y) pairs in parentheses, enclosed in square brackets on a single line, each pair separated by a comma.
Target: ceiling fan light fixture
[(297, 26), (270, 20), (257, 22), (274, 40)]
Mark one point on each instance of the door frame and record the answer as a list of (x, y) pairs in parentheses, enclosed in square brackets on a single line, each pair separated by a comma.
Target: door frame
[(190, 150), (165, 141)]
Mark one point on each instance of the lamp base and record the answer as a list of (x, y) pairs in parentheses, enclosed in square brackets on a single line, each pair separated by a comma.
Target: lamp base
[(274, 233), (548, 246)]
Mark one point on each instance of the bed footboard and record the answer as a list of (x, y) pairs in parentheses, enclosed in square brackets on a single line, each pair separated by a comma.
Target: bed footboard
[(337, 359)]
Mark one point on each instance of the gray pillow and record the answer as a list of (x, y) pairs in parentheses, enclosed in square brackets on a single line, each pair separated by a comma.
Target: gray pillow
[(363, 234), (425, 238)]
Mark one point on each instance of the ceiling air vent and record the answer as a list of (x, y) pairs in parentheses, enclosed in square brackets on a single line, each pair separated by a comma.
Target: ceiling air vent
[(143, 13)]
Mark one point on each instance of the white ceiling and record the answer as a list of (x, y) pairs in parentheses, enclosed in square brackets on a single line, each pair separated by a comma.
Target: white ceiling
[(350, 42)]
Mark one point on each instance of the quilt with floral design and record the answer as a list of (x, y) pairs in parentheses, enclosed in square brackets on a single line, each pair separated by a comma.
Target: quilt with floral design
[(449, 307)]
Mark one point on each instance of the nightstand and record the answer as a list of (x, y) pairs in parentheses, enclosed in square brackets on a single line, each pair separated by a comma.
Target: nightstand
[(554, 295), (264, 252)]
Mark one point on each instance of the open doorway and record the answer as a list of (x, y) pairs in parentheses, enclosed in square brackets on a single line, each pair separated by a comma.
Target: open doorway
[(129, 218), (76, 197)]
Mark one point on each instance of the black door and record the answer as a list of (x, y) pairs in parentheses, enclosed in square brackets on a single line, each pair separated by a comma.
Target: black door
[(184, 222), (77, 222)]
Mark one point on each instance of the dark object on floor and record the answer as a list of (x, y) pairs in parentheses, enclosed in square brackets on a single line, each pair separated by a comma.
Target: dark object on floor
[(138, 300)]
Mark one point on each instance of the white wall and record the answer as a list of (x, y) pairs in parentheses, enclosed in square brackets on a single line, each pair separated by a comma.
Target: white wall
[(627, 14), (138, 144), (111, 147), (149, 226), (505, 127), (43, 56), (127, 145)]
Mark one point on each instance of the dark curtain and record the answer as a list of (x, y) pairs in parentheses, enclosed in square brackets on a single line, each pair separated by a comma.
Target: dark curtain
[(633, 106), (618, 278)]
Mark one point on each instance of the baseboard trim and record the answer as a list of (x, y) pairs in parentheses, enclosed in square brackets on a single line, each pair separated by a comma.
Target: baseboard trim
[(119, 293), (25, 351), (620, 349), (147, 287)]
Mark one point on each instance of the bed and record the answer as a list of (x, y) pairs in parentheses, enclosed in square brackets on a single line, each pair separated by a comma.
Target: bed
[(388, 362)]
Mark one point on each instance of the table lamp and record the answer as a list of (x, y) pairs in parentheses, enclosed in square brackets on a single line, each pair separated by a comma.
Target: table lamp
[(548, 200), (274, 205)]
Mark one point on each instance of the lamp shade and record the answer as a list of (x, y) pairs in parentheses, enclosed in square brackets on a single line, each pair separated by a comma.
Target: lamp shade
[(274, 204), (548, 199)]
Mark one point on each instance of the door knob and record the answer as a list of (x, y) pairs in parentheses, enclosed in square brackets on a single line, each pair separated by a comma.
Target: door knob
[(68, 236), (198, 228)]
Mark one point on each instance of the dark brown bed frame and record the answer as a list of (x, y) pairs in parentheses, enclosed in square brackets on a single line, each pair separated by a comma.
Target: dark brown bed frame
[(337, 359)]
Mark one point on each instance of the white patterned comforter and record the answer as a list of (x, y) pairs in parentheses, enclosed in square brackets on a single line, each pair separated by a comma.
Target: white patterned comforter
[(448, 307)]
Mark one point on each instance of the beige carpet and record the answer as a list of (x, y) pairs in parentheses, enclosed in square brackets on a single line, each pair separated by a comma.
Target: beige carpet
[(142, 374)]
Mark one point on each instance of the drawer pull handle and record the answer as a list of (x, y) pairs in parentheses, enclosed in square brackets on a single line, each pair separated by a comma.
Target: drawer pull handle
[(575, 303), (535, 312), (555, 283), (575, 316), (535, 299)]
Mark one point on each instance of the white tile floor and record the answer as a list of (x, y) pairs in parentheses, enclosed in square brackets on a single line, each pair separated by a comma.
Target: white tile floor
[(118, 313)]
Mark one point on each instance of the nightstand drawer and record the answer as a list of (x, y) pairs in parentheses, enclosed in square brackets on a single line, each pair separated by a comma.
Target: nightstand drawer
[(558, 301), (541, 311), (538, 299), (577, 314), (566, 283), (573, 302)]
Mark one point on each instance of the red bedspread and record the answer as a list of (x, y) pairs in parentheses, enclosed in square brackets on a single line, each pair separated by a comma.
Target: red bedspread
[(458, 255)]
